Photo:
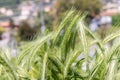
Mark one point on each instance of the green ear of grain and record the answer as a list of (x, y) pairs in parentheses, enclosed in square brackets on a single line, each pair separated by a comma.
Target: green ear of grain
[(98, 66), (111, 37), (71, 59), (73, 39), (95, 70), (98, 41), (82, 36), (113, 51), (44, 66), (67, 35), (8, 66), (23, 54), (112, 69), (57, 63), (38, 45), (63, 23), (33, 48), (113, 62)]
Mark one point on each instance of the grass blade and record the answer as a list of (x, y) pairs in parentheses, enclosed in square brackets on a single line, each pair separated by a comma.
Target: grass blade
[(110, 37), (72, 58), (82, 37), (44, 66)]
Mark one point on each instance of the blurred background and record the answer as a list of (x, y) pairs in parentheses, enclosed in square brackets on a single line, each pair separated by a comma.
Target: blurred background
[(20, 20)]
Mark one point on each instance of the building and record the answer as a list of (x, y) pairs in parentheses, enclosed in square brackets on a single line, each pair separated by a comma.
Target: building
[(108, 1), (111, 7)]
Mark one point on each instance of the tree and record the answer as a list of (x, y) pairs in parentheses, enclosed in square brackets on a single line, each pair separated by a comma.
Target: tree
[(26, 33), (91, 7)]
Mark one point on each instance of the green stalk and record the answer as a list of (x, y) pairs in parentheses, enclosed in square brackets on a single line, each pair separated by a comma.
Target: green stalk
[(112, 36), (8, 66), (67, 37), (63, 23), (44, 66), (82, 36), (72, 58)]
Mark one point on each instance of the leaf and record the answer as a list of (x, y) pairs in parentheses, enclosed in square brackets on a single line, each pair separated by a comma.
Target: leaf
[(8, 66), (44, 66), (111, 36), (63, 23), (67, 36), (82, 37), (70, 61)]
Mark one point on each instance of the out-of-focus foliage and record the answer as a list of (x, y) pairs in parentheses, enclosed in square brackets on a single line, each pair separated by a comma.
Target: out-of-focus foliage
[(1, 31), (48, 19), (26, 32), (116, 20), (91, 7)]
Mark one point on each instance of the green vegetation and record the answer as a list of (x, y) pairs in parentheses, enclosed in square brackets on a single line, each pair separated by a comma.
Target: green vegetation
[(26, 32), (55, 56), (61, 6), (116, 20)]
